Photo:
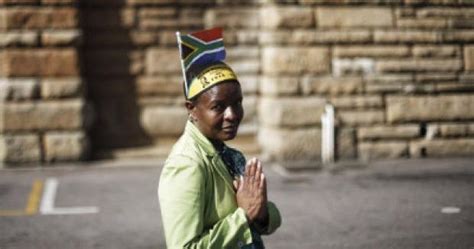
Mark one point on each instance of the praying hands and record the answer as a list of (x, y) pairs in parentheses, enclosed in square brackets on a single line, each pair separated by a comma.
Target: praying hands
[(251, 193)]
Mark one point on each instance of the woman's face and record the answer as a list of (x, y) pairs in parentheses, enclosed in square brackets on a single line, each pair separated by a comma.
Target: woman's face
[(218, 111)]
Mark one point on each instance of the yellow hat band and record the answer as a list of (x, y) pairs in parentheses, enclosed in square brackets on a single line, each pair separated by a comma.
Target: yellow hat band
[(209, 77)]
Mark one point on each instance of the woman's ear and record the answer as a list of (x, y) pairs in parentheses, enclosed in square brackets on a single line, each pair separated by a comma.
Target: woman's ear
[(190, 106)]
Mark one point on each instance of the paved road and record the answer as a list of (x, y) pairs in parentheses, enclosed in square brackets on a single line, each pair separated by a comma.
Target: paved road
[(395, 204)]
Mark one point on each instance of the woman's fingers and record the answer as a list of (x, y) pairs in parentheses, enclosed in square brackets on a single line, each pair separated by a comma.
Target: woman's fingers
[(264, 187), (258, 171), (250, 173), (263, 183), (253, 176), (236, 185), (241, 183), (247, 167), (253, 166)]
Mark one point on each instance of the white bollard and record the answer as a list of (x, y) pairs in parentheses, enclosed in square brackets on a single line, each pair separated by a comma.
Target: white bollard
[(327, 136)]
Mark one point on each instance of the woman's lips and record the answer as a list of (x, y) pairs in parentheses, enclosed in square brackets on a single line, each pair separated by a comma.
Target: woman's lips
[(230, 128)]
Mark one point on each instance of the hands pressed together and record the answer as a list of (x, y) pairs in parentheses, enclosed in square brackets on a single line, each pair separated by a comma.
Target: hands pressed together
[(251, 193)]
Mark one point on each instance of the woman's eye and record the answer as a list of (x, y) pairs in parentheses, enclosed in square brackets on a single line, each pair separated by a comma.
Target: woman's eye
[(218, 107)]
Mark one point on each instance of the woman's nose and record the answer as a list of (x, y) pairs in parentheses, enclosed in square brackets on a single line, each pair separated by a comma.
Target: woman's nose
[(230, 114)]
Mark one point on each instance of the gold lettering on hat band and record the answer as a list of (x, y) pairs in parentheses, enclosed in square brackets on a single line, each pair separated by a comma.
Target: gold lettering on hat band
[(210, 77)]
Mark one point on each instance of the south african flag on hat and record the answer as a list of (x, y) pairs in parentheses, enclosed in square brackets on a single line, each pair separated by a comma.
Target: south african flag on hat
[(200, 48)]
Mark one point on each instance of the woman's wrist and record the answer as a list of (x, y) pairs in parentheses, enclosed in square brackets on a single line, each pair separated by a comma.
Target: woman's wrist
[(261, 223)]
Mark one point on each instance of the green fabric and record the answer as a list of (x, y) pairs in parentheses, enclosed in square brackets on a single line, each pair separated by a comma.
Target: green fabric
[(197, 199)]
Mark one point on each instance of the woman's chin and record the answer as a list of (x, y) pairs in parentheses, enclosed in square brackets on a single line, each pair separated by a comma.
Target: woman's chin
[(226, 136)]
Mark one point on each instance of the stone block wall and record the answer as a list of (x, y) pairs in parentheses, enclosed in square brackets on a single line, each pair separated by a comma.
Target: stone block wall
[(43, 112), (400, 75), (396, 73), (131, 64)]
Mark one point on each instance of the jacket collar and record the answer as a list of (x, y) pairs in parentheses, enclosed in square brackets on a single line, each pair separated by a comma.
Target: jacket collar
[(204, 142), (209, 150)]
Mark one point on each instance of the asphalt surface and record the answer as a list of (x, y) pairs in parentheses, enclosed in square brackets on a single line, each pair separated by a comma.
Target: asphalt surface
[(391, 204)]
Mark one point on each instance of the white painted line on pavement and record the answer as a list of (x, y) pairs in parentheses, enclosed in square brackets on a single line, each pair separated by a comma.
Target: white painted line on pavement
[(49, 195), (450, 210)]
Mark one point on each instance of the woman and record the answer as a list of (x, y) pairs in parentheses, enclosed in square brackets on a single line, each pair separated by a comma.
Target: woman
[(209, 196)]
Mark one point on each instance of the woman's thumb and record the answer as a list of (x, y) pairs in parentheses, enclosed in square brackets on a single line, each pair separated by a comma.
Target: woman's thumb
[(236, 185)]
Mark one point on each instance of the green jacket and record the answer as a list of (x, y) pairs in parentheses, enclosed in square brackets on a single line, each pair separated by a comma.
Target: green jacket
[(197, 198)]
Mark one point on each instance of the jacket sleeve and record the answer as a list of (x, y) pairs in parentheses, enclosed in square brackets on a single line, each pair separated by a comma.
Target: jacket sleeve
[(181, 193), (274, 218)]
